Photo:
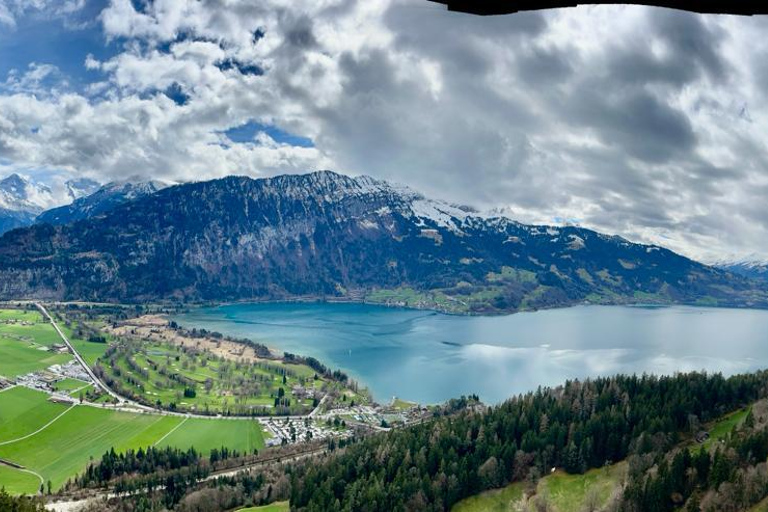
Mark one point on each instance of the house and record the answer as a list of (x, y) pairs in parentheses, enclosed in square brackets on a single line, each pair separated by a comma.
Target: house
[(701, 436)]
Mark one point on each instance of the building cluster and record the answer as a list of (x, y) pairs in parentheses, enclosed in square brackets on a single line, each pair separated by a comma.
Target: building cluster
[(46, 380), (290, 430)]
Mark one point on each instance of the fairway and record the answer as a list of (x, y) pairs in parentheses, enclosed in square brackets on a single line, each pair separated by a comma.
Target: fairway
[(23, 411), (16, 481), (204, 434)]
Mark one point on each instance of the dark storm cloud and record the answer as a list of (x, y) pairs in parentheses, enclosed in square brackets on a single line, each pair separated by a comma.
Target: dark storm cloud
[(546, 66), (635, 120)]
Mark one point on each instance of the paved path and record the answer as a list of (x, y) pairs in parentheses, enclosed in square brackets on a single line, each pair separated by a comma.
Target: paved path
[(171, 431)]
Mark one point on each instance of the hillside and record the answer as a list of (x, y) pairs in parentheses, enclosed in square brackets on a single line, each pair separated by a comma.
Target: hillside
[(101, 201), (327, 235)]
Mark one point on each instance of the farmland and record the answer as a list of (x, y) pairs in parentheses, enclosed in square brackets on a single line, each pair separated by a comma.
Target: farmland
[(26, 342), (63, 449), (22, 411), (204, 435), (16, 481)]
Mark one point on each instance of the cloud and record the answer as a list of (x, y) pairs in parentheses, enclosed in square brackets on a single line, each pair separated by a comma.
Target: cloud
[(643, 122)]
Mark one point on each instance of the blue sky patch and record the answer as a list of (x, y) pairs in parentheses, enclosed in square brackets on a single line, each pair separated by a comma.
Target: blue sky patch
[(247, 132)]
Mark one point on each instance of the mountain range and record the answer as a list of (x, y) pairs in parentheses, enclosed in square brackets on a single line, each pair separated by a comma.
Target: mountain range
[(22, 200), (326, 235), (752, 268)]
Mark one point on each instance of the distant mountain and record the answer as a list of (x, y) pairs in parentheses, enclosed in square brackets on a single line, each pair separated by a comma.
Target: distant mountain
[(102, 200), (10, 219), (22, 200), (754, 269), (81, 187), (21, 195), (325, 235)]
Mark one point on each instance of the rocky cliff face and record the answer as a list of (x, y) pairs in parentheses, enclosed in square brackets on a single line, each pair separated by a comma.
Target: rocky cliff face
[(324, 234), (99, 202)]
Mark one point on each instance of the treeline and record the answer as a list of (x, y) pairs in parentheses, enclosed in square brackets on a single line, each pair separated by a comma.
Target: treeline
[(165, 486), (731, 478), (316, 365), (143, 462), (578, 426), (10, 503)]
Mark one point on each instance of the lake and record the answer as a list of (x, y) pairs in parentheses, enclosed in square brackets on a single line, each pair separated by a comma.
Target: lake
[(429, 357)]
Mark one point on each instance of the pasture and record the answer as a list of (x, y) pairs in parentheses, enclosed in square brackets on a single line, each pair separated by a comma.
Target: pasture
[(16, 481), (65, 446), (241, 435), (23, 411), (25, 338)]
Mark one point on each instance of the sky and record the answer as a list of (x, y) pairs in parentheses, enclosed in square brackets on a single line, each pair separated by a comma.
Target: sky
[(643, 122)]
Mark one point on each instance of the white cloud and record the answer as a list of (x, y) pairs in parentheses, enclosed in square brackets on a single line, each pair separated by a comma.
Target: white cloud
[(646, 123)]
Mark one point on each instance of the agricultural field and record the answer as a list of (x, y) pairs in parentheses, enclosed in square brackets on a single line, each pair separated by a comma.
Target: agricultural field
[(70, 385), (25, 343), (243, 435), (16, 481), (88, 350), (189, 379), (23, 411), (65, 446), (21, 315)]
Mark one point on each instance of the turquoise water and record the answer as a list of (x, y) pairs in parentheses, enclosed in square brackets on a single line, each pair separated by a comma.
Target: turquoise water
[(430, 357)]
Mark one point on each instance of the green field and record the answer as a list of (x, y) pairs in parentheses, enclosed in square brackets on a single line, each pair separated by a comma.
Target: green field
[(722, 427), (24, 340), (21, 315), (16, 481), (570, 493), (497, 500), (18, 358), (281, 506), (561, 491), (88, 350), (23, 411), (242, 435), (64, 448), (68, 384)]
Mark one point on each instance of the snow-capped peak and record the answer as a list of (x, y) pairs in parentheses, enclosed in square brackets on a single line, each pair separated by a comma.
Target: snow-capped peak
[(18, 193)]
